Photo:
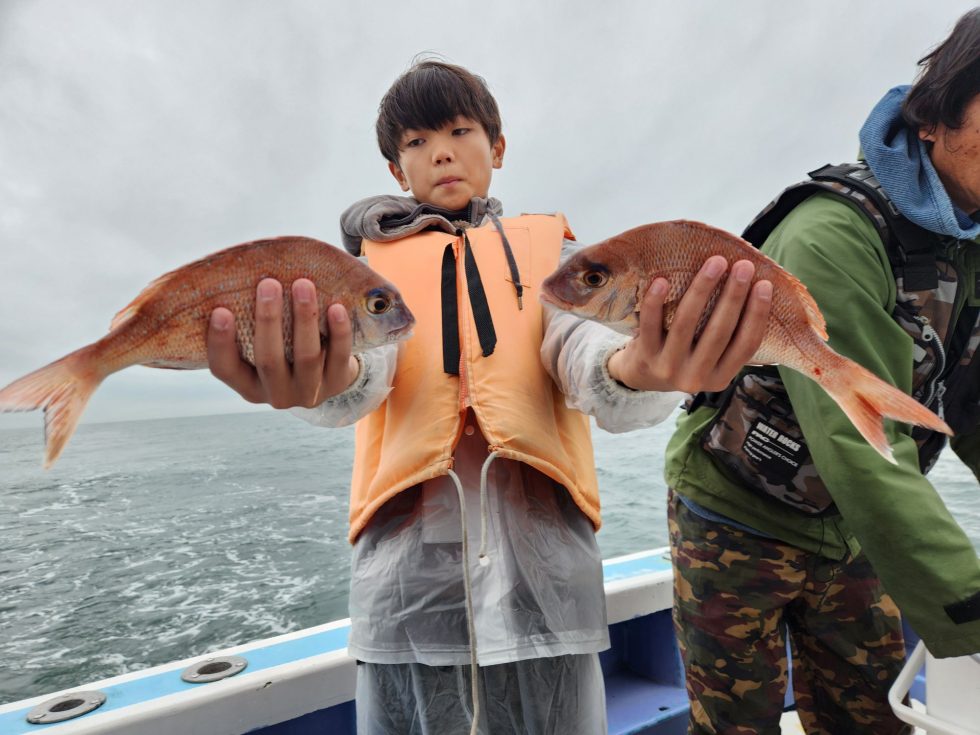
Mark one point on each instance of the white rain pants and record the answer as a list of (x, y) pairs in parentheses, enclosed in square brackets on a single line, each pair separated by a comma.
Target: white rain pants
[(562, 695)]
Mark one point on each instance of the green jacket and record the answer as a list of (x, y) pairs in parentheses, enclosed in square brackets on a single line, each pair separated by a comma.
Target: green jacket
[(891, 512)]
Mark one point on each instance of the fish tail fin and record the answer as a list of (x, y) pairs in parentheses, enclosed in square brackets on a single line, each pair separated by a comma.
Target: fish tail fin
[(62, 389), (866, 399)]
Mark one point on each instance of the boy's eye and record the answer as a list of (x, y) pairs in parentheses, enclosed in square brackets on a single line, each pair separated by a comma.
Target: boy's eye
[(460, 131), (414, 142)]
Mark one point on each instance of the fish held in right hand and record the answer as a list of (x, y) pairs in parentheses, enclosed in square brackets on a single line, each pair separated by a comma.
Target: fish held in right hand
[(605, 282)]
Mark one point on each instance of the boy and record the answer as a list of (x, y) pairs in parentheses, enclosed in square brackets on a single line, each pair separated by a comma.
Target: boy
[(466, 434)]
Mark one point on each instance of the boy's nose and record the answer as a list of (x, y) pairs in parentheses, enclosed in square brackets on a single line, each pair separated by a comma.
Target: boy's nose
[(442, 155)]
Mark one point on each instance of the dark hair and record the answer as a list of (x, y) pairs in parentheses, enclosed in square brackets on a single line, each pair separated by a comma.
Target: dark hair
[(427, 96), (949, 79)]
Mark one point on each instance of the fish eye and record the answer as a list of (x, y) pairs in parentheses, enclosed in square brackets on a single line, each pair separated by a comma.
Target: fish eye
[(595, 278), (378, 302)]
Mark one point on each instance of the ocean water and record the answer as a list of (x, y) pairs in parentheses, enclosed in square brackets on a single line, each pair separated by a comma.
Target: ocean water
[(153, 541)]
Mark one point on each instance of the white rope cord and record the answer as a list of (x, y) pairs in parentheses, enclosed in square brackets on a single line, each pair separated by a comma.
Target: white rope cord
[(484, 512), (470, 625)]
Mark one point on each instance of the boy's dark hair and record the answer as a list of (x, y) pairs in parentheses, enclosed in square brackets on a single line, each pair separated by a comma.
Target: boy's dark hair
[(950, 78), (429, 95)]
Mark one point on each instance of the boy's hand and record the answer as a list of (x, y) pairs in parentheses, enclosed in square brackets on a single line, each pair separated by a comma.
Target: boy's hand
[(316, 373), (664, 361)]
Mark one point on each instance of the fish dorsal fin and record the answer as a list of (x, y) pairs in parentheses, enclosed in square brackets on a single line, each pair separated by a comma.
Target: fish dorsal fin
[(813, 315), (147, 294), (153, 289)]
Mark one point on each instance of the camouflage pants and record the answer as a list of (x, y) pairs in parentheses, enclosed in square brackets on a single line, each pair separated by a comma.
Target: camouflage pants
[(735, 597)]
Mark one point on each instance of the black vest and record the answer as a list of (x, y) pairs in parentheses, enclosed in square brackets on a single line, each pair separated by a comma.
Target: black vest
[(755, 435)]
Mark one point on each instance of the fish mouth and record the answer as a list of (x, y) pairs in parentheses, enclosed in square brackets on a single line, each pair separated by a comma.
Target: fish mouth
[(393, 337), (549, 298), (399, 334), (551, 289)]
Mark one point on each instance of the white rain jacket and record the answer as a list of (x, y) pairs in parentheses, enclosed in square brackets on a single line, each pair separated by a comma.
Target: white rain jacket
[(543, 595)]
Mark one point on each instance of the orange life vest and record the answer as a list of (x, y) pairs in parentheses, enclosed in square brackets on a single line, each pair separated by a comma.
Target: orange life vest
[(410, 438)]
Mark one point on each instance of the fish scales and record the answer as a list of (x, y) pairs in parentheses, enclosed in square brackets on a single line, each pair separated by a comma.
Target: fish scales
[(657, 253), (174, 313)]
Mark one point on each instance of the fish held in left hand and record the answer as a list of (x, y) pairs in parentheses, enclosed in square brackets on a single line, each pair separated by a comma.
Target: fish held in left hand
[(606, 282), (166, 325)]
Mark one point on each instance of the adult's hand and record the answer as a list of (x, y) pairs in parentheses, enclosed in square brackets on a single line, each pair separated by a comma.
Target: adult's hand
[(659, 360), (316, 373)]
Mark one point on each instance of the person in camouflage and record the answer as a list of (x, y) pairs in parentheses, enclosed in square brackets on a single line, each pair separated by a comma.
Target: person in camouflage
[(733, 618), (784, 523)]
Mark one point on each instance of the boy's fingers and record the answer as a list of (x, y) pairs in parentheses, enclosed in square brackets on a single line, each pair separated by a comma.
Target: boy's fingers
[(724, 320), (651, 332), (751, 331), (223, 359), (692, 306), (337, 367), (307, 347), (270, 356)]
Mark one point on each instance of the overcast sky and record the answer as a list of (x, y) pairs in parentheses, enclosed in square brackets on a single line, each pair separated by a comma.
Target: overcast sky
[(138, 136)]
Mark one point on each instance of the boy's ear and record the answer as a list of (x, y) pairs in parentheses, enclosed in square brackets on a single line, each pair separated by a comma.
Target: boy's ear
[(399, 176), (497, 150)]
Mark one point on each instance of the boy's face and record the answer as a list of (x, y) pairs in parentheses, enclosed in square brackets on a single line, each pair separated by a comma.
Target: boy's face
[(449, 166)]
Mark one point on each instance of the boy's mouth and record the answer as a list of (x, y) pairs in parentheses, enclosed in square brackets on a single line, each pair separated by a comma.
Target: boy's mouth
[(445, 180)]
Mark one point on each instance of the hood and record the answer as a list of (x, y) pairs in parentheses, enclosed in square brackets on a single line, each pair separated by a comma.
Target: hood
[(385, 218), (901, 163)]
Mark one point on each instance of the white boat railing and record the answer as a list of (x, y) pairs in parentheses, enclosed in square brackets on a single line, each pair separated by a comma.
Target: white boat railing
[(929, 721), (301, 673)]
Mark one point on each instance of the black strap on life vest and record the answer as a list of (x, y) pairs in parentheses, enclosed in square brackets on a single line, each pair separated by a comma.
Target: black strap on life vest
[(450, 313), (450, 308), (478, 301), (911, 249)]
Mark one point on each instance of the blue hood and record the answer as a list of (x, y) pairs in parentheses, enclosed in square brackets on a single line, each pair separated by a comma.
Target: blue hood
[(900, 161)]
